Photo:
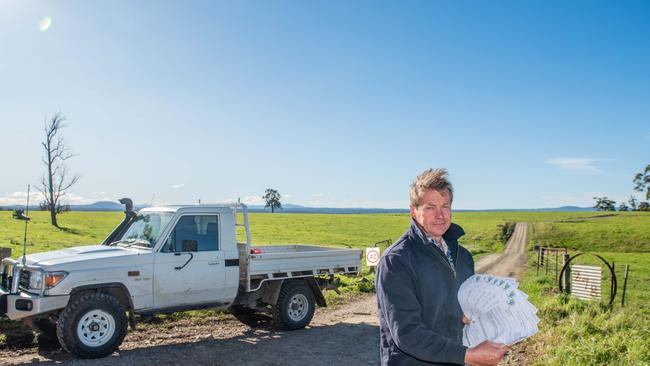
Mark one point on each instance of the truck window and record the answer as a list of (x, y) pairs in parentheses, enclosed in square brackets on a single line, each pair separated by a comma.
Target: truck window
[(195, 233)]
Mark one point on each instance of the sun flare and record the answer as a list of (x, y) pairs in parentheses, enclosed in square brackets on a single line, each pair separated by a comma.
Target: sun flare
[(45, 24)]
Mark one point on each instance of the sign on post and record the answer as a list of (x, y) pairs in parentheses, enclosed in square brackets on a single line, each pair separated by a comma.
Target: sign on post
[(372, 256), (585, 282)]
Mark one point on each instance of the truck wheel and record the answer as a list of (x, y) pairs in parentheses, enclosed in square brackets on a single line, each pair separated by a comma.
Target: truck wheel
[(250, 317), (295, 306), (93, 325)]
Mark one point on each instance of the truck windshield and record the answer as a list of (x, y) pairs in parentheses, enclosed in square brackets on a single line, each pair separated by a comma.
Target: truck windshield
[(144, 231)]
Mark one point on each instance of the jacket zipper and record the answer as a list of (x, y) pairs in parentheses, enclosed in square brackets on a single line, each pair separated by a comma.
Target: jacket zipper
[(444, 258)]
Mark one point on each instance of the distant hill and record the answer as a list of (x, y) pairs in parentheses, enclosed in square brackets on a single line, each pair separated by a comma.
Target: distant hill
[(291, 208), (552, 209)]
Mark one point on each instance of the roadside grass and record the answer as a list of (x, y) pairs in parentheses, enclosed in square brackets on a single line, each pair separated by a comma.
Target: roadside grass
[(577, 332)]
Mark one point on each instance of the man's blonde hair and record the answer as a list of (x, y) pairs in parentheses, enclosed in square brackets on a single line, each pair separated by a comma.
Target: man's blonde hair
[(430, 179)]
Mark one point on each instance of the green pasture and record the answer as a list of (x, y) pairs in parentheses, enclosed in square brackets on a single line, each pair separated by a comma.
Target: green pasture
[(354, 231), (623, 232)]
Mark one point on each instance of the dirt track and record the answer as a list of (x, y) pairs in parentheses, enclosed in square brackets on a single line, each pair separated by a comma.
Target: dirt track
[(344, 335), (510, 263)]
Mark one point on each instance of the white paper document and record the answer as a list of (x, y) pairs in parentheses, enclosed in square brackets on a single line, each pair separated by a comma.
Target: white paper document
[(498, 311)]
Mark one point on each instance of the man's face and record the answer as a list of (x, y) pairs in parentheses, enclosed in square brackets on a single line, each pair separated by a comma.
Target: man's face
[(433, 213)]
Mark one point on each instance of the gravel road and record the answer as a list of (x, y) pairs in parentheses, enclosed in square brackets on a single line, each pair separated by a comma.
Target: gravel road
[(344, 335)]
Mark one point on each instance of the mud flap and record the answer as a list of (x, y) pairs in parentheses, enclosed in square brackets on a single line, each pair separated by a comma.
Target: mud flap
[(318, 294)]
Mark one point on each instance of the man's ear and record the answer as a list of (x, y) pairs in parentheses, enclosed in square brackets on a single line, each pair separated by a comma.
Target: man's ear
[(412, 210)]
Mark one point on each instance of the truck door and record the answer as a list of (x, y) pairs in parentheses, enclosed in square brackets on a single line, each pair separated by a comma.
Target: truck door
[(189, 268)]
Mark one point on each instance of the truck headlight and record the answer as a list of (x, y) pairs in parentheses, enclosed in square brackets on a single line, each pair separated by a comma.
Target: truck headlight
[(35, 280), (53, 278)]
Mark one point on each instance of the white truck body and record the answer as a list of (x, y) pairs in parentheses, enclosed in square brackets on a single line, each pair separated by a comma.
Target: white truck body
[(169, 259)]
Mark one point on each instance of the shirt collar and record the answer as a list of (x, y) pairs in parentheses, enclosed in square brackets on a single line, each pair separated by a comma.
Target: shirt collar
[(425, 238)]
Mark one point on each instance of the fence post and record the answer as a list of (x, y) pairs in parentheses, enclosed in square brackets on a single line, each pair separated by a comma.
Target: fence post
[(557, 261), (567, 274), (546, 265), (627, 267), (539, 257)]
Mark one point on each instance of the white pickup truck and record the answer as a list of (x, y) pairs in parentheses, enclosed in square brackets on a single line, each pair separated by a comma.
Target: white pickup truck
[(161, 260)]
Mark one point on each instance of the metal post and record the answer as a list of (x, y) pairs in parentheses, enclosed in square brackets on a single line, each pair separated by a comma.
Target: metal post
[(611, 286), (556, 263), (567, 274), (546, 265), (627, 267), (539, 256)]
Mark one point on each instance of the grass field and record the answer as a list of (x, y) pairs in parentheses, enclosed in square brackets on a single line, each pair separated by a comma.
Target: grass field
[(356, 231), (572, 332), (576, 332)]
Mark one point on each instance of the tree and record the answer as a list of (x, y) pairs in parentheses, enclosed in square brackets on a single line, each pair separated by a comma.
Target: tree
[(642, 181), (623, 207), (633, 203), (56, 180), (604, 204), (272, 198), (644, 206)]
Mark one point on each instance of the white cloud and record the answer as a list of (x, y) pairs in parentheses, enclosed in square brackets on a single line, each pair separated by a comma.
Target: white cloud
[(176, 186), (252, 200), (286, 196), (577, 165), (20, 198), (248, 200)]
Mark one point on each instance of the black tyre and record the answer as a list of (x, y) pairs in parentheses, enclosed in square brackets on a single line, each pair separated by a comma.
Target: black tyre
[(250, 317), (295, 306), (93, 325)]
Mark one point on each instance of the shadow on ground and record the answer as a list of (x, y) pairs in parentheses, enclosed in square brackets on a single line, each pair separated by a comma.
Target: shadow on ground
[(327, 345)]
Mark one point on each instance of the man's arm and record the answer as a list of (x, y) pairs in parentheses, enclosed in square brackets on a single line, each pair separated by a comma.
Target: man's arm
[(401, 311)]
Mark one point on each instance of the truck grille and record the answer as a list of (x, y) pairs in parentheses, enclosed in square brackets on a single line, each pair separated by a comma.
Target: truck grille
[(23, 279)]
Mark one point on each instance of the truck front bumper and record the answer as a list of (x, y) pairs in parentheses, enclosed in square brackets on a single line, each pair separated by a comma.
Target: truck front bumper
[(24, 304)]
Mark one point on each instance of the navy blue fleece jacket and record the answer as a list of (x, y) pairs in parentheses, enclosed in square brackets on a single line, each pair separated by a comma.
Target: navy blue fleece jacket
[(420, 320)]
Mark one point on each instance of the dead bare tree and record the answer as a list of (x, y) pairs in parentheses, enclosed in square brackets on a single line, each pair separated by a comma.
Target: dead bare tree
[(56, 181)]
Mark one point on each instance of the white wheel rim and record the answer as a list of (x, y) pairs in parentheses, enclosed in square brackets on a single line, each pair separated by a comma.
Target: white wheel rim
[(297, 308), (96, 328)]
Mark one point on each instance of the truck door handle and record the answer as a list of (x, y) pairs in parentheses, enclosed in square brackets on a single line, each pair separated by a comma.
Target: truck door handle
[(213, 262)]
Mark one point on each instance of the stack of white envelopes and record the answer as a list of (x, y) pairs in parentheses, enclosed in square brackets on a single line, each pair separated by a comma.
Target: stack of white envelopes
[(498, 311)]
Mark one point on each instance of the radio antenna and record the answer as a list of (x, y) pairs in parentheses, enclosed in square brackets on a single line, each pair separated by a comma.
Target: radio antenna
[(26, 220)]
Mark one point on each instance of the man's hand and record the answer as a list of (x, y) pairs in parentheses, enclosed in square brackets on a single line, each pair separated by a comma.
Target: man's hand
[(466, 320), (486, 354)]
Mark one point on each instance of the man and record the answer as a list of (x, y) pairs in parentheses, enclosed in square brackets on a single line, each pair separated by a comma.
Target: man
[(420, 320)]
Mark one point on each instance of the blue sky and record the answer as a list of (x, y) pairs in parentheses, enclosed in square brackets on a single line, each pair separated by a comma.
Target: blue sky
[(337, 103)]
